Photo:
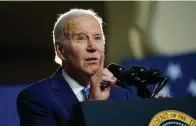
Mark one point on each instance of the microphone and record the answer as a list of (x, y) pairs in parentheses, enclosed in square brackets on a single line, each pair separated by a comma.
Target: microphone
[(131, 78), (117, 70), (121, 73), (152, 76), (139, 77)]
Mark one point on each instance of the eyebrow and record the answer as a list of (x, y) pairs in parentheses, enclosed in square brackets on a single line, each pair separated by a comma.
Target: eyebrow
[(97, 34), (82, 33)]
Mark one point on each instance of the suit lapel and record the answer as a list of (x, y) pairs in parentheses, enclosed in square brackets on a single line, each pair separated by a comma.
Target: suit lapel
[(63, 91)]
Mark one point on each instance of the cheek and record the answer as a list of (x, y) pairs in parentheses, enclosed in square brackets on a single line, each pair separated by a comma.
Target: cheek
[(78, 52), (101, 47)]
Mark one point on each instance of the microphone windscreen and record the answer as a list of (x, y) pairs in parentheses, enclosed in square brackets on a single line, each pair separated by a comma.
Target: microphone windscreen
[(137, 68), (116, 69)]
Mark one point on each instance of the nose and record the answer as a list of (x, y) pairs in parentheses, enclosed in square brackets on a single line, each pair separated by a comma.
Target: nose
[(91, 47)]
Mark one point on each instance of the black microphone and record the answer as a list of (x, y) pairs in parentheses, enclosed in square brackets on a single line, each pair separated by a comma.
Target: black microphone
[(139, 77), (152, 76), (122, 73), (131, 78), (117, 70)]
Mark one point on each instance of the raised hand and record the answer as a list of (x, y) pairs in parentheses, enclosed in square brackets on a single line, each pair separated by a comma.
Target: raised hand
[(97, 91)]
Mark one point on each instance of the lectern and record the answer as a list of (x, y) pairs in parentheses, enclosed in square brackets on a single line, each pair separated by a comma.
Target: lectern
[(142, 112)]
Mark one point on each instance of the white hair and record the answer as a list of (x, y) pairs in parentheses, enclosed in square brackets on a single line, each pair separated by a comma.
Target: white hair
[(58, 31)]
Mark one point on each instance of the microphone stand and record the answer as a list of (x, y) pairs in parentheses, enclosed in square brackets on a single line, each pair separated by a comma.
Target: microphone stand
[(141, 85), (142, 88), (159, 86), (144, 92)]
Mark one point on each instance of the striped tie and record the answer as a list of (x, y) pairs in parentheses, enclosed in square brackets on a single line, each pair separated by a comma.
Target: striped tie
[(85, 92)]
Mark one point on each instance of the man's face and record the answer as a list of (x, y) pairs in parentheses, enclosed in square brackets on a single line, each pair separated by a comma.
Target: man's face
[(85, 45)]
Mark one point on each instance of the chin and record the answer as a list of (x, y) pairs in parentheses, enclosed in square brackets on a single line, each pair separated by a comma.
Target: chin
[(92, 70)]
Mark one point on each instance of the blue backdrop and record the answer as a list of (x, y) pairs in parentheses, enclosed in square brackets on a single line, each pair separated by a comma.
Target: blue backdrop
[(180, 70)]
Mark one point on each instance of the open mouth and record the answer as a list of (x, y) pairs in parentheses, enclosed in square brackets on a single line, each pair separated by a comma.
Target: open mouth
[(92, 60)]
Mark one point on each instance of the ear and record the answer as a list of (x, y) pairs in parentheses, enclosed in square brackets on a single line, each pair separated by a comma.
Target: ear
[(60, 50)]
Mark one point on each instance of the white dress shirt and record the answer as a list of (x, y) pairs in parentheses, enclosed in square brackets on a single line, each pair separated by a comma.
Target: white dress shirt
[(75, 86)]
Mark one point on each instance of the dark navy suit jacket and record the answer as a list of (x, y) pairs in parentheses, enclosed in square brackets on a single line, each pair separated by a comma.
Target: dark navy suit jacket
[(50, 102)]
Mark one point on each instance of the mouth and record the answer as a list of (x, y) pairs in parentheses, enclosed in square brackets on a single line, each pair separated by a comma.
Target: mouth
[(92, 60)]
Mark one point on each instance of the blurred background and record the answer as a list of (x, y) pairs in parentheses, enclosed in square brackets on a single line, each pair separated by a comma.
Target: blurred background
[(156, 34)]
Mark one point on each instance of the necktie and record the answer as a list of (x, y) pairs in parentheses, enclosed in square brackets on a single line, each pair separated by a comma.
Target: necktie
[(85, 92)]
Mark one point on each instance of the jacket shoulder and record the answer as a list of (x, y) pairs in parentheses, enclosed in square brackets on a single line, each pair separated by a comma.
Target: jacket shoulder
[(38, 90)]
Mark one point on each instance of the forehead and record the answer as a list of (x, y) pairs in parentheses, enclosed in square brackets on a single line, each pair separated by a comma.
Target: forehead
[(83, 24)]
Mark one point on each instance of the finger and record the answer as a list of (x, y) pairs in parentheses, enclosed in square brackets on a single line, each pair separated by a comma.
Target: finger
[(113, 82), (98, 79), (101, 62), (103, 80), (99, 70), (160, 96), (109, 84), (107, 79), (156, 96), (106, 72), (163, 96)]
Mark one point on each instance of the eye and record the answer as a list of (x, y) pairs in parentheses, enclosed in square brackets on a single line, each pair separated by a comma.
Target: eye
[(80, 38), (98, 38)]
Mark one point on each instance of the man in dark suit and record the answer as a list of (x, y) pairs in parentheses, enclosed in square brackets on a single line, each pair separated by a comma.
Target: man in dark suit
[(79, 45)]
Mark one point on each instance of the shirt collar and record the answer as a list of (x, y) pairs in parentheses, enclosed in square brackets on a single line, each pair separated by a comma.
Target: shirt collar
[(75, 86)]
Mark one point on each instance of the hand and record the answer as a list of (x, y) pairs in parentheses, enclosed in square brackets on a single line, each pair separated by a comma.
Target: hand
[(161, 96), (97, 92)]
